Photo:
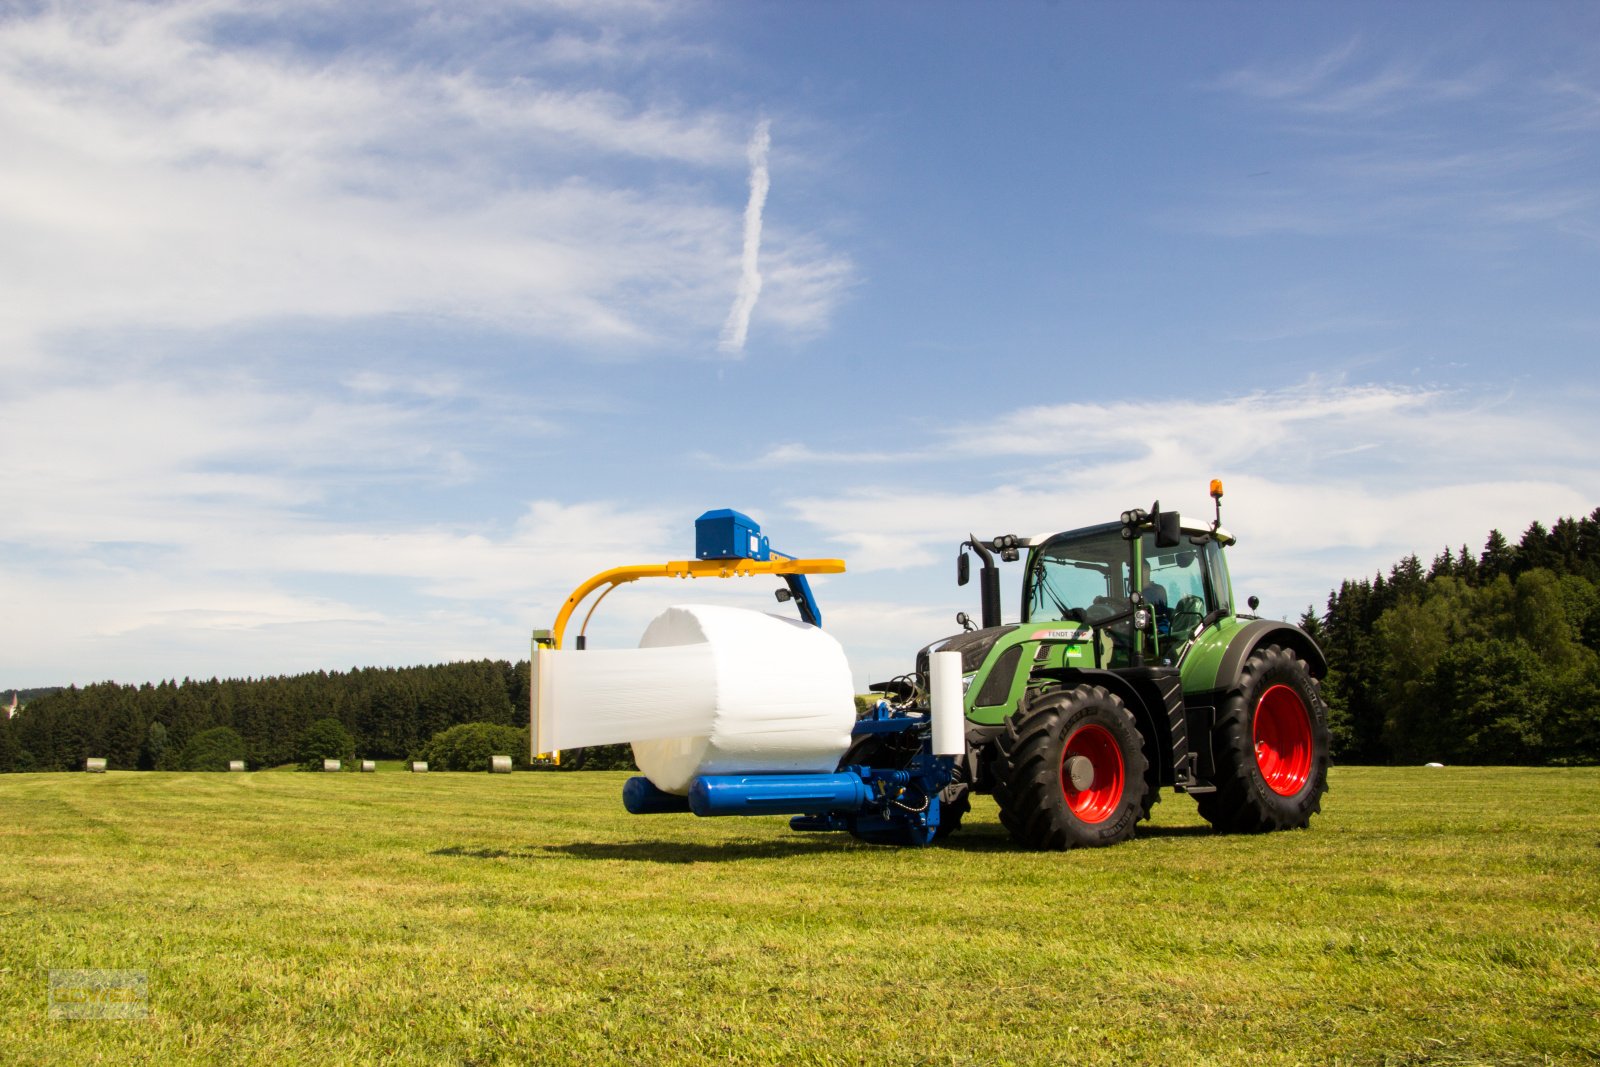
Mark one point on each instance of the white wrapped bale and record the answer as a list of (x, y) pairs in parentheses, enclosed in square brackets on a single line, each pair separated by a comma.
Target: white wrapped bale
[(709, 690), (499, 764), (368, 766), (236, 765), (419, 767), (94, 765), (330, 765)]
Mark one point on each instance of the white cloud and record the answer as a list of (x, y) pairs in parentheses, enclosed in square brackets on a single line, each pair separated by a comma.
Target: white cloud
[(1372, 141), (737, 327), (1325, 482), (181, 175), (155, 175), (1351, 81)]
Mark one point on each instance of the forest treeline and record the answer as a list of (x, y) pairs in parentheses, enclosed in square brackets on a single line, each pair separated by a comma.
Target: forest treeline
[(1487, 657), (391, 713)]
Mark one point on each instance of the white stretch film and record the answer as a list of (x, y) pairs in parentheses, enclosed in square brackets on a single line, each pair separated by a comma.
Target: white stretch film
[(606, 697), (949, 722), (710, 690)]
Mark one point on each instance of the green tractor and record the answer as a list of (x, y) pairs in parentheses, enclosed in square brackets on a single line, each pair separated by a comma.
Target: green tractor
[(1131, 670)]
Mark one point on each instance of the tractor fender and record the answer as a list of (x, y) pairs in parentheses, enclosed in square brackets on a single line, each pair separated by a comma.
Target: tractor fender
[(1262, 632)]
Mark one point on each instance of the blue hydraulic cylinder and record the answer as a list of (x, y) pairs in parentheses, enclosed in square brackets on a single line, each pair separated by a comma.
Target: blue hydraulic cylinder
[(778, 794), (641, 797)]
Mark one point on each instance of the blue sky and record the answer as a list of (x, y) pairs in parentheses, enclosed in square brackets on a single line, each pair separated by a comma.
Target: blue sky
[(349, 334)]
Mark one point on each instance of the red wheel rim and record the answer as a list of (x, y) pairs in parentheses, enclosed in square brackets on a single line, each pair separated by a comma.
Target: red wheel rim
[(1094, 743), (1283, 740)]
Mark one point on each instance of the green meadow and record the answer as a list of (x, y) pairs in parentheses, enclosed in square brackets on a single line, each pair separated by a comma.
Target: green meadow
[(1429, 916)]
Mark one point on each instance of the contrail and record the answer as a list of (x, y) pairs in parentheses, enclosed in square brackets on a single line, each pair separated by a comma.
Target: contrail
[(744, 301)]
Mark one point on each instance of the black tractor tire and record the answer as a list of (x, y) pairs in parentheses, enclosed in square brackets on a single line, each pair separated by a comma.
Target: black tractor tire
[(1152, 777), (1039, 801), (1270, 746), (896, 751)]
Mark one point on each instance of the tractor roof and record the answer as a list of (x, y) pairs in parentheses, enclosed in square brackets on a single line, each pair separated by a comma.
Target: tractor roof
[(1188, 525)]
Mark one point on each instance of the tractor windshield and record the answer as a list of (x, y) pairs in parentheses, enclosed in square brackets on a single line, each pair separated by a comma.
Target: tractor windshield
[(1083, 577)]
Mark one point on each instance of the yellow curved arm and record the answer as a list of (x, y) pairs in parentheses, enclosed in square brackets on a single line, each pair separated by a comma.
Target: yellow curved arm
[(686, 568)]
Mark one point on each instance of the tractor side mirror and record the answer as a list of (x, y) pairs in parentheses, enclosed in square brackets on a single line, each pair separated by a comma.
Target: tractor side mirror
[(963, 569), (1169, 529)]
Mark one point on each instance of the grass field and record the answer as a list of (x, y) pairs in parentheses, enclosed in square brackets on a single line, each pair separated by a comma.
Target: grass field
[(1429, 917)]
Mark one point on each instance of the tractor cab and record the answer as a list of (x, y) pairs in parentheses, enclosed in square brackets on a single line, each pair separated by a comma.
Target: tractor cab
[(1093, 576)]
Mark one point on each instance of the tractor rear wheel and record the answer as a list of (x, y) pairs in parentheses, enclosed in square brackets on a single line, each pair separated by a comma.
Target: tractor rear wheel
[(1071, 771), (1271, 747)]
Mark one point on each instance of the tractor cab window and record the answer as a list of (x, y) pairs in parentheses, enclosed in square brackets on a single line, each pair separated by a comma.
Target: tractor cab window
[(1176, 587), (1219, 592), (1082, 578)]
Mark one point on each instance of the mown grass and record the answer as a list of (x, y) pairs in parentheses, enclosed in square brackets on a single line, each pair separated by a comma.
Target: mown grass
[(1429, 917)]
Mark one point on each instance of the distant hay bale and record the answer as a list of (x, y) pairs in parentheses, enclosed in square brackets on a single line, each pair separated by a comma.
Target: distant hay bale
[(236, 765), (419, 766), (368, 766), (499, 764), (330, 765), (96, 765)]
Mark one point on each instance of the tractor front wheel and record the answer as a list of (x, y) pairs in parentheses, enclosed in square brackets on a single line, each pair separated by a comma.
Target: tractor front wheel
[(1071, 771), (1271, 747)]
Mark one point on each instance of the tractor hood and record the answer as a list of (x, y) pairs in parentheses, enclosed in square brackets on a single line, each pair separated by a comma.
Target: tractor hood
[(973, 645)]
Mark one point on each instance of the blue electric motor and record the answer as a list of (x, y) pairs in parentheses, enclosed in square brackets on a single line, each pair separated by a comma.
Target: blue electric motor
[(728, 534)]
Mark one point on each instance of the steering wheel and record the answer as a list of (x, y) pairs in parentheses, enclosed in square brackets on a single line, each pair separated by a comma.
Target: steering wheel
[(1187, 615), (1102, 609)]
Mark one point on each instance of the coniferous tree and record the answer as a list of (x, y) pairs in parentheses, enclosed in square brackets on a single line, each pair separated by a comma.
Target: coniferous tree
[(155, 748), (1498, 557), (9, 749), (1564, 547), (1534, 552)]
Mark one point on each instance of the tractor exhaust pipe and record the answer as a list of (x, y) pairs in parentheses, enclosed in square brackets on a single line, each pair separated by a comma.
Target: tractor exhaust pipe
[(988, 583)]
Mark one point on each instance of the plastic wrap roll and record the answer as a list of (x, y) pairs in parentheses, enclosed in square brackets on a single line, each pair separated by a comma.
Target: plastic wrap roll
[(949, 721), (782, 699), (710, 690)]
